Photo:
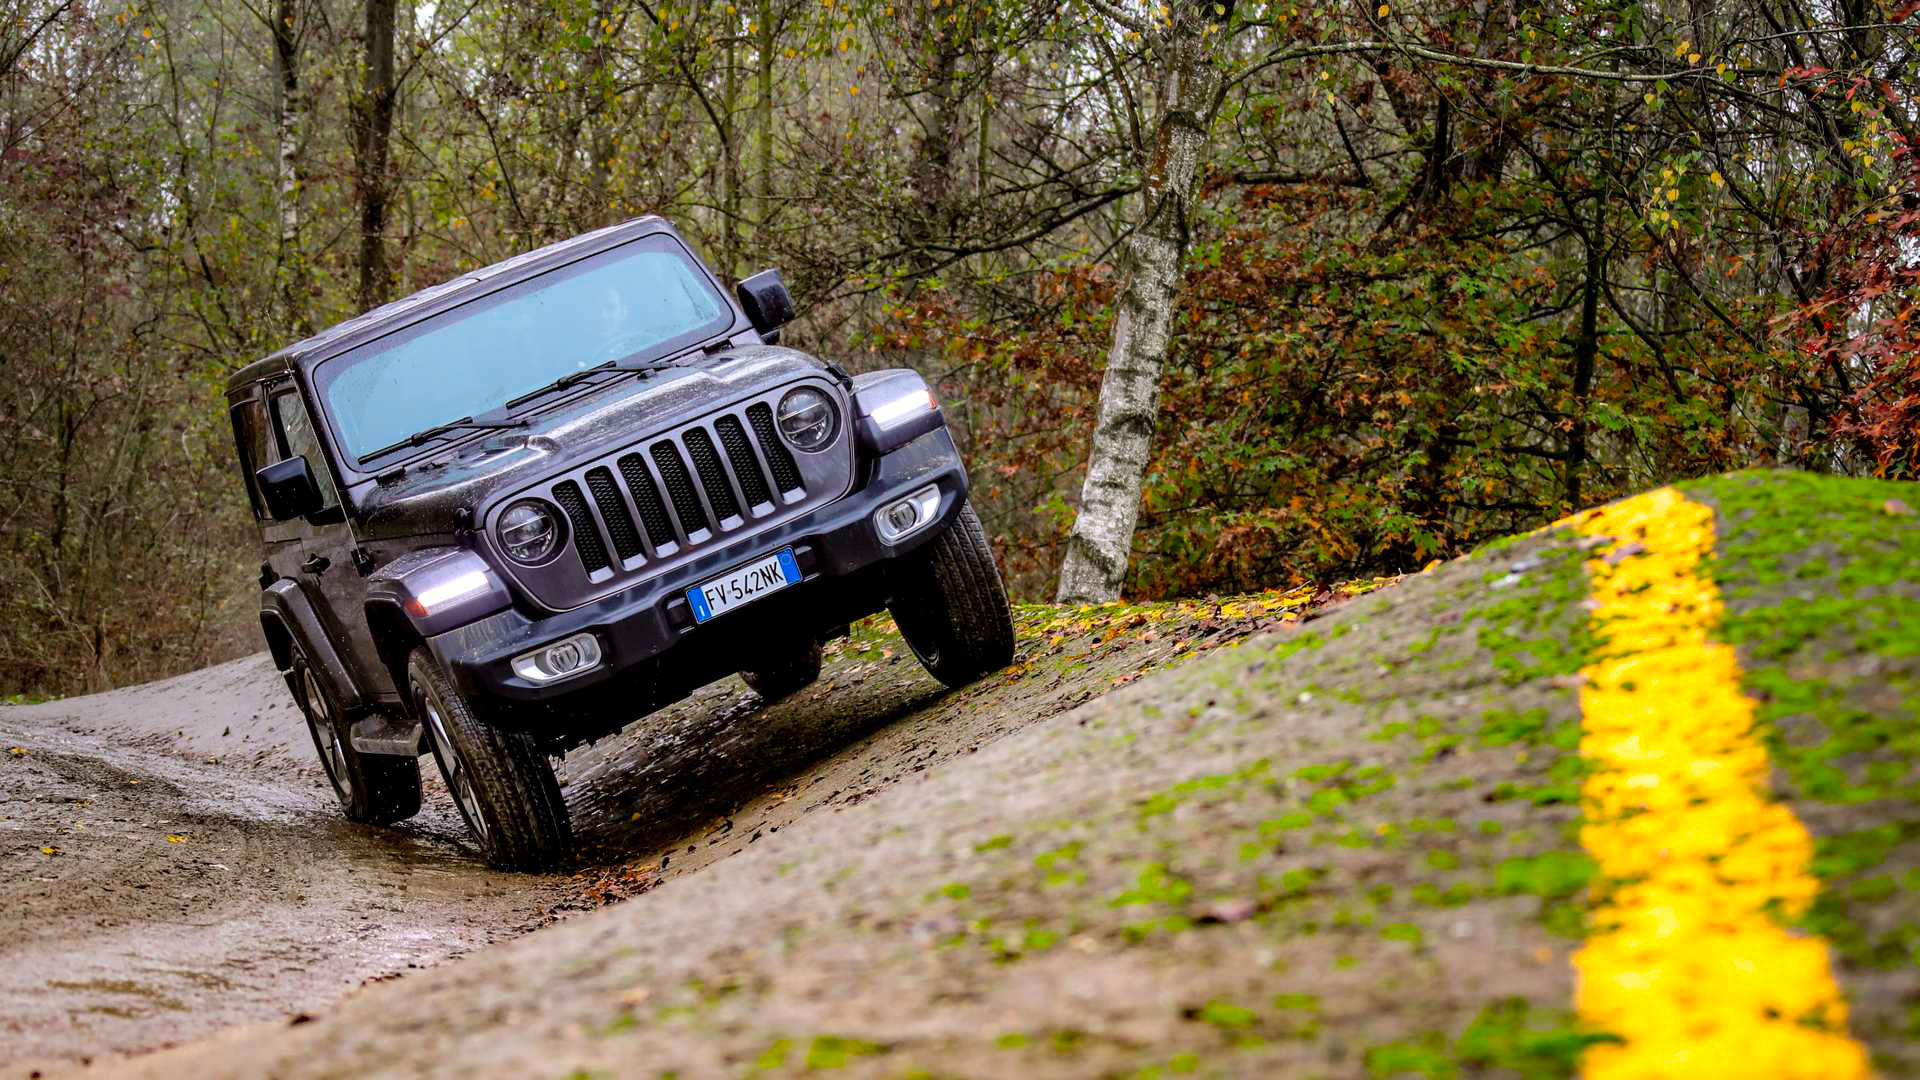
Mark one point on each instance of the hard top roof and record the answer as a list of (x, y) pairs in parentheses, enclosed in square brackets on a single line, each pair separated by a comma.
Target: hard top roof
[(309, 351)]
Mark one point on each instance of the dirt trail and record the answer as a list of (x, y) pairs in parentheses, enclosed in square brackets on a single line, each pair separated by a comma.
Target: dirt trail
[(202, 875), (203, 878)]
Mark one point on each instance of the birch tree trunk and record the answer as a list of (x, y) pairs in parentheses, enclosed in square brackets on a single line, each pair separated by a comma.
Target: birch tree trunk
[(287, 117), (1097, 549)]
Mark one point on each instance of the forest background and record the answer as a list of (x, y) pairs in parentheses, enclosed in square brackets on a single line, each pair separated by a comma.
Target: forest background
[(1447, 269)]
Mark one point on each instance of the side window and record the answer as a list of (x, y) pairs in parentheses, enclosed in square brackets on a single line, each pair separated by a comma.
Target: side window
[(296, 434), (254, 439)]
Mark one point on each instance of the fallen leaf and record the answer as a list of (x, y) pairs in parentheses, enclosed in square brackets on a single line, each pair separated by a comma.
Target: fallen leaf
[(1891, 506), (176, 839), (18, 751), (49, 851)]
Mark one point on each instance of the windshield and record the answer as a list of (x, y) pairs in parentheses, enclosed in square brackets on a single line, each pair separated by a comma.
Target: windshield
[(644, 296)]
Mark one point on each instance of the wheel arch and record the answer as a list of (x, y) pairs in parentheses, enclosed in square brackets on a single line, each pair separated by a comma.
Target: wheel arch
[(395, 637), (292, 627)]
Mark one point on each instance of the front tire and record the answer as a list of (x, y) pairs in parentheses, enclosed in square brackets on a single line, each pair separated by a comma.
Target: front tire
[(797, 668), (374, 789), (501, 781), (951, 606)]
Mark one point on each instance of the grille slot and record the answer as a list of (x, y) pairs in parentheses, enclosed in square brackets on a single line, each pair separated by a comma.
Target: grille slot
[(712, 476), (586, 538), (679, 487), (646, 495), (745, 468), (613, 510), (785, 472)]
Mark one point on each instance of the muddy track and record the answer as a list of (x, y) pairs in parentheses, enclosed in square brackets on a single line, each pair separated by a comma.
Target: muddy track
[(201, 876)]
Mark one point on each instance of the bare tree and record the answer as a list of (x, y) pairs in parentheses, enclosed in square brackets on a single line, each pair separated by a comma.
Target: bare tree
[(289, 110), (372, 139), (1097, 549)]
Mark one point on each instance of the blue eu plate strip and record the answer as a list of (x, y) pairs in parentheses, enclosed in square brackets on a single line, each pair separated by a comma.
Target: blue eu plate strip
[(697, 597)]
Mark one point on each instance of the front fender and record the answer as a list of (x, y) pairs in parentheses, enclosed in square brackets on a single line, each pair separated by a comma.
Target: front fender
[(285, 610), (437, 589)]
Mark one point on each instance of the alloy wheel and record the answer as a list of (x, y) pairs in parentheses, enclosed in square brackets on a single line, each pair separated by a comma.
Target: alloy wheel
[(453, 770), (326, 735)]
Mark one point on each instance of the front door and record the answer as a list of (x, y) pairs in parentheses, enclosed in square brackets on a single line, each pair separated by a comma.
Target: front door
[(327, 573)]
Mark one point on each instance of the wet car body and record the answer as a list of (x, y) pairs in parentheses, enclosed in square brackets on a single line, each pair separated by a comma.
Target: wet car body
[(673, 481)]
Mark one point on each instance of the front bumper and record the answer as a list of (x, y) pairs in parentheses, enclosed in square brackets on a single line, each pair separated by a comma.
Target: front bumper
[(842, 561)]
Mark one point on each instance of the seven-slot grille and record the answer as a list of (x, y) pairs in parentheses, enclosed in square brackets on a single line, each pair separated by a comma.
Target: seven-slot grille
[(678, 491)]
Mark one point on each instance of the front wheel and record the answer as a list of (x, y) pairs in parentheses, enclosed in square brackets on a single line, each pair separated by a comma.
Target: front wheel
[(375, 789), (501, 780), (951, 606)]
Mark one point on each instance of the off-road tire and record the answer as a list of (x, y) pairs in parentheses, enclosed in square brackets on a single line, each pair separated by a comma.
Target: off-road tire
[(501, 781), (796, 668), (951, 605), (374, 789)]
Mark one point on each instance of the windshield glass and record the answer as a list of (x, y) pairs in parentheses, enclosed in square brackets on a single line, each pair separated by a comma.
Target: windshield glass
[(644, 296)]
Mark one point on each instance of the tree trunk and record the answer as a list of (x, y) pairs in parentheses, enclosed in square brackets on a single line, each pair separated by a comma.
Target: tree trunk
[(287, 117), (730, 162), (1097, 549), (764, 120), (1586, 348), (373, 133)]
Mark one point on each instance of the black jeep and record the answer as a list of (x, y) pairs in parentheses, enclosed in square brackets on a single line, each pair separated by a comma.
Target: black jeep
[(519, 510)]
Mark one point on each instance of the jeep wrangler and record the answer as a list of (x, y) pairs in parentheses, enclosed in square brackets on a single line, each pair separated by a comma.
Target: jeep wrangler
[(518, 511)]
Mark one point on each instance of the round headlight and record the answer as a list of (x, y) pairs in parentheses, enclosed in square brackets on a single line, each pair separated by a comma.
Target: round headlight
[(807, 419), (529, 532)]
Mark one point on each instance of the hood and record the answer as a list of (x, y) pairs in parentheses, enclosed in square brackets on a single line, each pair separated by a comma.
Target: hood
[(430, 497)]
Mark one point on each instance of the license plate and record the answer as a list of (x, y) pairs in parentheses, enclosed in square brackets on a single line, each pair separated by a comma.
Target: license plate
[(743, 585)]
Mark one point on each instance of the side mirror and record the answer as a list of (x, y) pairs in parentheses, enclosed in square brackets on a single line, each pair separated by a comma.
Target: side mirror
[(768, 304), (287, 489)]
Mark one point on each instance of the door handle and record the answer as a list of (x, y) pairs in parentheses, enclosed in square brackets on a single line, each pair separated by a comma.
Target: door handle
[(316, 564)]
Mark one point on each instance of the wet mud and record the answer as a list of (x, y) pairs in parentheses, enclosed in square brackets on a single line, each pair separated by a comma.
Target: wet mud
[(172, 863)]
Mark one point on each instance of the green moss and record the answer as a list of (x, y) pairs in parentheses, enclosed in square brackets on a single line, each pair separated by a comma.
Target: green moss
[(1509, 1036)]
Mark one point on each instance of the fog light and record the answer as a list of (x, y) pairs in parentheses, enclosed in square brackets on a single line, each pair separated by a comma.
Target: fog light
[(564, 658), (896, 520)]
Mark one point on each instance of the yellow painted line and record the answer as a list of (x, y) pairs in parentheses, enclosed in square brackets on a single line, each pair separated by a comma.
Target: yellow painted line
[(1687, 961)]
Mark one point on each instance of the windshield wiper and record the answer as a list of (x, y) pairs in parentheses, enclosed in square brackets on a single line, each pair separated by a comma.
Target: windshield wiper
[(573, 378), (429, 434)]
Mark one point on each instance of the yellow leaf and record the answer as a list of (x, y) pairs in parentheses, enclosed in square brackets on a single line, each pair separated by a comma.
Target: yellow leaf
[(1720, 69), (1385, 10), (1718, 180), (1673, 194), (18, 751), (1681, 50), (1693, 58), (176, 839), (49, 851), (1858, 105)]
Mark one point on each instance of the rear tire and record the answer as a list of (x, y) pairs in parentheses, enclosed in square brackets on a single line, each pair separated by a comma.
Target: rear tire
[(951, 606), (374, 789), (795, 670), (501, 781)]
